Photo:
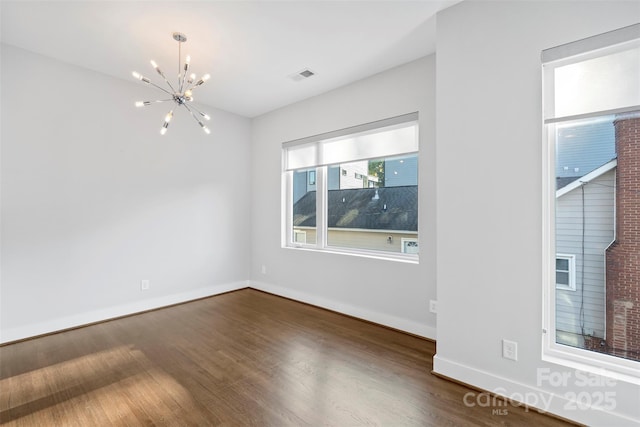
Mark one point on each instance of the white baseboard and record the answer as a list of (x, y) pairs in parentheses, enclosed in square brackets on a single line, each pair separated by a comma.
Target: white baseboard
[(77, 320), (533, 397), (395, 322)]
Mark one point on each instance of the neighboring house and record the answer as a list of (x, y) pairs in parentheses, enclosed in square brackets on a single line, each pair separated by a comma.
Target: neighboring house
[(399, 171), (598, 239), (383, 219), (350, 175), (585, 210)]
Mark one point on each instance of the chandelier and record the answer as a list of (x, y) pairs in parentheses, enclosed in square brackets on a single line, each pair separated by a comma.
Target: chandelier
[(182, 94)]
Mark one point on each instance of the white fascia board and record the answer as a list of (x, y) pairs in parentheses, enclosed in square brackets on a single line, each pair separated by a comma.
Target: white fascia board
[(587, 178)]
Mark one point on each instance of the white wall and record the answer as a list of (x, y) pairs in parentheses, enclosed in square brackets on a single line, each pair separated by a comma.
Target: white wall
[(388, 292), (489, 194), (94, 199)]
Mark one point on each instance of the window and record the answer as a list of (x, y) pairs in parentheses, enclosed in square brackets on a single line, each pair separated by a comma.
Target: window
[(592, 181), (365, 196), (565, 272)]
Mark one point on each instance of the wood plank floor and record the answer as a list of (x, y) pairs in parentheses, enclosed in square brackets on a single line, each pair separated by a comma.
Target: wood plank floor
[(238, 359)]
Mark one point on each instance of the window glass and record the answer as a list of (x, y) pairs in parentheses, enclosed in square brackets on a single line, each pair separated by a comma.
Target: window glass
[(304, 206), (375, 205), (562, 264)]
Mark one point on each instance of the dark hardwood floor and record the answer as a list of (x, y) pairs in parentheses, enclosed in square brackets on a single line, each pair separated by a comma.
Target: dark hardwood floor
[(242, 358)]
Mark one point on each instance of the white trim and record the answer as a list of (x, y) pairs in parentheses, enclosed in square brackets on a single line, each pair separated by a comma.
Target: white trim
[(587, 178), (82, 319), (361, 229), (594, 114), (364, 253), (395, 322), (367, 230)]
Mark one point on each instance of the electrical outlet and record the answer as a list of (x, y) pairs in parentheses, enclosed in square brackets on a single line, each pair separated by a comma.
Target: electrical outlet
[(433, 306), (145, 284), (510, 350), (264, 269)]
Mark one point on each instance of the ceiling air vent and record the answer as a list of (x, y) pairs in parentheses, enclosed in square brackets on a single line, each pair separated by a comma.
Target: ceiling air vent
[(301, 75)]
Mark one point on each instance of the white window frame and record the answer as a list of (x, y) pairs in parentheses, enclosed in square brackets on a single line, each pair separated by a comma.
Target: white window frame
[(597, 363), (571, 286), (321, 244)]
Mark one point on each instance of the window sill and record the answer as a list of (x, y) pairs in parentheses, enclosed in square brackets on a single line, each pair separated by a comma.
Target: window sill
[(405, 258), (594, 363)]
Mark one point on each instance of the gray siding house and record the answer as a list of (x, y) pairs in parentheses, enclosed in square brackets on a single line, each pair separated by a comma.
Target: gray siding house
[(585, 227)]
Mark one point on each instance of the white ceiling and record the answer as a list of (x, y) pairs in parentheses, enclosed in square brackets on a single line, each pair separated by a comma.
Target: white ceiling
[(250, 48)]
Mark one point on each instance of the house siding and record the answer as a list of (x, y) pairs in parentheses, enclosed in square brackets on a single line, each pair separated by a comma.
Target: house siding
[(362, 239), (584, 148), (590, 268)]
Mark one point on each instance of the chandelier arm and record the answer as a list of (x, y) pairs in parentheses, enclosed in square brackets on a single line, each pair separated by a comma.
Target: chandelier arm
[(192, 115), (166, 81), (161, 88), (147, 103), (199, 112), (204, 128), (194, 85), (188, 87)]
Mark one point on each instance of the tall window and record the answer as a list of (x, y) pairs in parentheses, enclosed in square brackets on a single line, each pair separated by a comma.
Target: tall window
[(364, 196), (592, 124)]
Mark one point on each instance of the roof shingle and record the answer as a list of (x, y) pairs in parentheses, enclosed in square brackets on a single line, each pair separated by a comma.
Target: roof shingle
[(395, 208)]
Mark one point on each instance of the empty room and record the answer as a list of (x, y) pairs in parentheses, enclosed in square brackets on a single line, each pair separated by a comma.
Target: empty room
[(310, 213)]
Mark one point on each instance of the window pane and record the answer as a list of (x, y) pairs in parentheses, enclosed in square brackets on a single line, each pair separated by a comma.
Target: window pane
[(562, 264), (304, 206), (562, 278), (596, 178), (374, 205)]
